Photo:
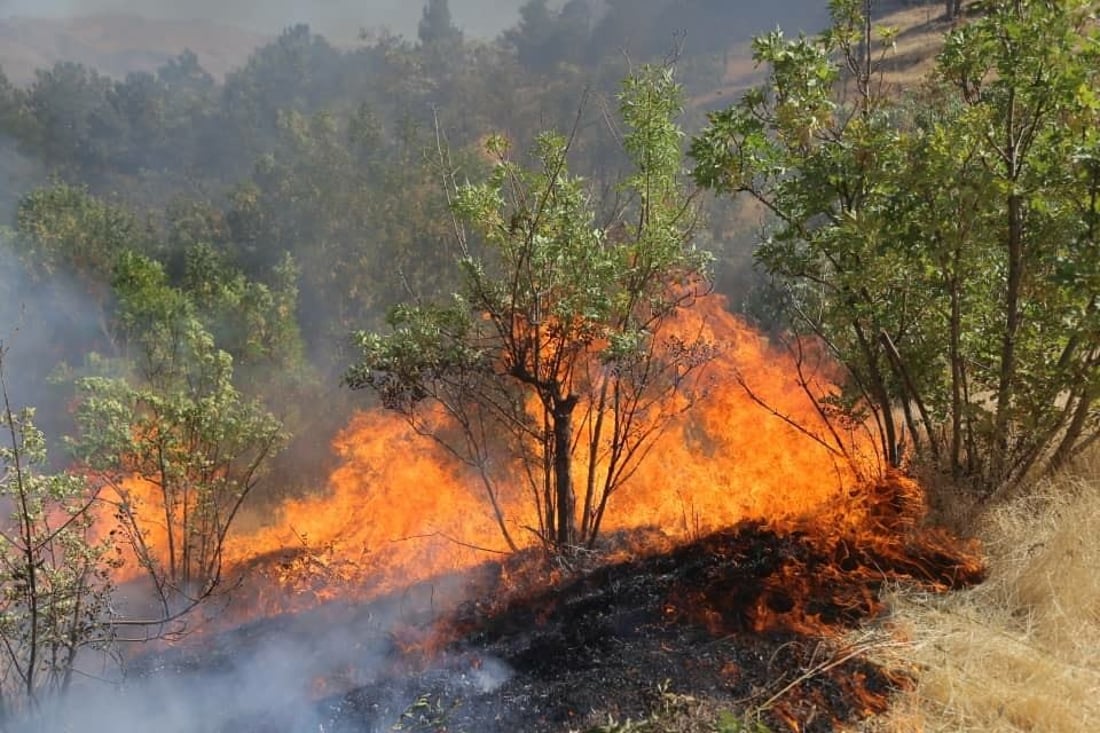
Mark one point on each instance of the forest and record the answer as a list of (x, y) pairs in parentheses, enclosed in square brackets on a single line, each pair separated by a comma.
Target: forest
[(392, 383)]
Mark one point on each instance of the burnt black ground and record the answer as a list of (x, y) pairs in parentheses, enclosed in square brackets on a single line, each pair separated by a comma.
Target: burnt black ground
[(714, 619)]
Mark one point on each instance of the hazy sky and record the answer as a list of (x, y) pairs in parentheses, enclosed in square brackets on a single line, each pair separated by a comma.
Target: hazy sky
[(338, 18)]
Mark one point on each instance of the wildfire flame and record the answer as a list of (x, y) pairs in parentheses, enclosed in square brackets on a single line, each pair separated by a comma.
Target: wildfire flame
[(785, 523), (398, 509)]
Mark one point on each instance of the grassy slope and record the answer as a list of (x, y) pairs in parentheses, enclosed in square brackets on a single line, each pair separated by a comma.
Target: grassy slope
[(1020, 652)]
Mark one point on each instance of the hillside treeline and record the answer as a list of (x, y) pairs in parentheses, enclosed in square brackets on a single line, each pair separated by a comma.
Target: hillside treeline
[(319, 159)]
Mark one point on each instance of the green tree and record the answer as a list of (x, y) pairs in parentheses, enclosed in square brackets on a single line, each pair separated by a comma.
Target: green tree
[(820, 167), (66, 236), (559, 347), (1026, 73), (436, 26), (68, 230), (75, 127), (532, 37), (173, 420), (54, 575), (944, 248)]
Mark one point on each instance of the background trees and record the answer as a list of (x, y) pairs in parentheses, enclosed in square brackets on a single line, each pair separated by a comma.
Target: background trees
[(559, 346)]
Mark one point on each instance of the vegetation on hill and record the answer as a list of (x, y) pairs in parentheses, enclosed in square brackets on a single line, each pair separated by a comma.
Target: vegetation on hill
[(188, 254)]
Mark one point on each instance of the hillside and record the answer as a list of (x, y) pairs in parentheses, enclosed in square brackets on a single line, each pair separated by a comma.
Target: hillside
[(119, 44), (322, 477)]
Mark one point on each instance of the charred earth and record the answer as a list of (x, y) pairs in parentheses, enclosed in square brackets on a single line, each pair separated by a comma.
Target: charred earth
[(751, 619)]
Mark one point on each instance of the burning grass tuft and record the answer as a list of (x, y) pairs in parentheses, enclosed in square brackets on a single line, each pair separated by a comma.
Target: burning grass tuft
[(1019, 652)]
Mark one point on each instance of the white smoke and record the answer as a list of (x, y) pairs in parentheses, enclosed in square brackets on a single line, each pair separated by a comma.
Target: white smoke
[(333, 18)]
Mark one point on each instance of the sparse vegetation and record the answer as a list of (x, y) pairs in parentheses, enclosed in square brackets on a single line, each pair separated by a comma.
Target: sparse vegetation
[(559, 349), (55, 572)]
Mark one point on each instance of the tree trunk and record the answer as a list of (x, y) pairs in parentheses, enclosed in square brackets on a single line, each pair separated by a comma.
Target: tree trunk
[(563, 472), (956, 370), (881, 395), (1006, 386)]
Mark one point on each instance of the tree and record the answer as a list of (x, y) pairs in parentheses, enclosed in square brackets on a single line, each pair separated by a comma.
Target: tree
[(54, 575), (819, 167), (179, 448), (66, 236), (945, 249), (1037, 100), (436, 26), (560, 348), (533, 35), (75, 127)]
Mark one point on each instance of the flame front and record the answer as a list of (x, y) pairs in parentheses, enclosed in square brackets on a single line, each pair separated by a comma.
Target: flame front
[(399, 509)]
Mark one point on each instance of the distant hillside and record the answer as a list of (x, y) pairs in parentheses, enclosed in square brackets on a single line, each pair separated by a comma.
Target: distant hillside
[(119, 44), (338, 20)]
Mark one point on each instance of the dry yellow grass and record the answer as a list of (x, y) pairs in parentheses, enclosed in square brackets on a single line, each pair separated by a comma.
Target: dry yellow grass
[(1022, 651)]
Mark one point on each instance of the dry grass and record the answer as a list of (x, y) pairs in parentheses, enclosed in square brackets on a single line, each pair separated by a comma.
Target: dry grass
[(920, 38), (1022, 651)]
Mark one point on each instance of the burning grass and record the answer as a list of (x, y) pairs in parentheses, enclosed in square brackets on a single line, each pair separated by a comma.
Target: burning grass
[(733, 566), (1018, 653), (747, 628), (746, 624)]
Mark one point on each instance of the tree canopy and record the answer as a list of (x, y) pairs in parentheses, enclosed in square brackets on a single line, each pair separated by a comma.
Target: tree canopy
[(942, 245), (558, 345)]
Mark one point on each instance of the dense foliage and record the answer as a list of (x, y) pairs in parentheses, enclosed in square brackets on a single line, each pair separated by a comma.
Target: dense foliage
[(942, 245)]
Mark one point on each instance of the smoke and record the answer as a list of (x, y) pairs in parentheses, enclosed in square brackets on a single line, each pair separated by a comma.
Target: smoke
[(287, 673), (43, 322), (337, 19)]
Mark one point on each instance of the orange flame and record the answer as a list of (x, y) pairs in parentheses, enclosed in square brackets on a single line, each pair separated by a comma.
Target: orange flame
[(398, 509)]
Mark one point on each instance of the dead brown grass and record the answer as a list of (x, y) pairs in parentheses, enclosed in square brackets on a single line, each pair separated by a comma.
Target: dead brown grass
[(920, 37), (1022, 651)]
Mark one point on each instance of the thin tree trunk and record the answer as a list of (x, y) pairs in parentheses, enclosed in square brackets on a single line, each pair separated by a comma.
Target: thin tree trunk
[(1066, 448), (955, 354), (882, 396), (1007, 382), (588, 525), (914, 395), (563, 471)]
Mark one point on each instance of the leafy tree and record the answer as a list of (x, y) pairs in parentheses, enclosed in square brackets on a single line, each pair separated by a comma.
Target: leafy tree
[(559, 348), (54, 575), (75, 127), (944, 250), (297, 72), (68, 230), (1027, 74), (174, 422), (67, 236), (351, 211), (12, 108), (532, 37), (436, 26)]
